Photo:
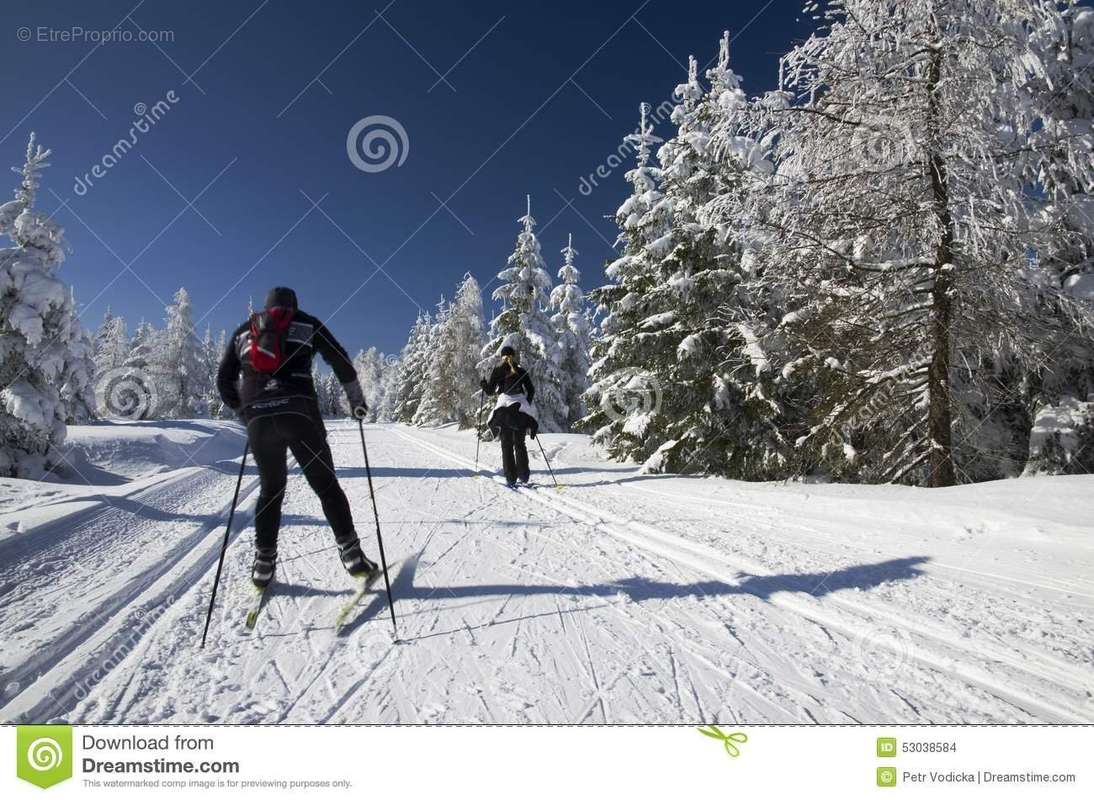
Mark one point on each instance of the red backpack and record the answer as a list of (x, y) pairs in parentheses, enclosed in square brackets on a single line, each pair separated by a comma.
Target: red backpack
[(269, 331)]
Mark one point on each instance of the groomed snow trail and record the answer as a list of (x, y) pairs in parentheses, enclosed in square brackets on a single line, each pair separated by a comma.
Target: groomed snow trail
[(623, 598)]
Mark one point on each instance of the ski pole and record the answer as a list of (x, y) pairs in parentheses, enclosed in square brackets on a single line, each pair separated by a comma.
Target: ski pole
[(379, 538), (224, 547), (478, 429), (547, 462)]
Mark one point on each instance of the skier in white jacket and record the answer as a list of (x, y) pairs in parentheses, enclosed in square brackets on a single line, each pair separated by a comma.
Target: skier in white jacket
[(514, 414)]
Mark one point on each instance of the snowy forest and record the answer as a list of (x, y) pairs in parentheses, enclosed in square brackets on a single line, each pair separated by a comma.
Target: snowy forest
[(880, 272)]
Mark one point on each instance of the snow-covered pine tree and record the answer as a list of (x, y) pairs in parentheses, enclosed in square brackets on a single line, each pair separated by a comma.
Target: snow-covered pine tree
[(437, 403), (45, 355), (452, 379), (679, 383), (622, 397), (111, 344), (756, 411), (385, 411), (177, 364), (573, 329), (1061, 391), (411, 373), (131, 392), (211, 352), (902, 225), (369, 365), (467, 331), (524, 323), (336, 397), (77, 383), (322, 390)]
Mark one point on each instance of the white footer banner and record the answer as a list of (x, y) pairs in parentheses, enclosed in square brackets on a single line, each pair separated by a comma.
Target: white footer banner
[(549, 762)]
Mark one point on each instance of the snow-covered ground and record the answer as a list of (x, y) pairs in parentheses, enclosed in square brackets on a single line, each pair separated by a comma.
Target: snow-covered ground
[(623, 598)]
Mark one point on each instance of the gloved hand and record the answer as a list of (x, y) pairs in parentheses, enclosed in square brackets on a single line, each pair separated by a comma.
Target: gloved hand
[(355, 395), (484, 385)]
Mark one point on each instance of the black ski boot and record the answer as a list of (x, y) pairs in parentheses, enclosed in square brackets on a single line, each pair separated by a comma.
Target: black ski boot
[(263, 570), (354, 560)]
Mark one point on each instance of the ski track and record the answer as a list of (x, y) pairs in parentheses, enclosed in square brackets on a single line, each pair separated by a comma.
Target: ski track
[(590, 605)]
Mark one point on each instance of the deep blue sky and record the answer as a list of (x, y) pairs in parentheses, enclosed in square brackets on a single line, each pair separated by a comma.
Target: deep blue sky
[(542, 99)]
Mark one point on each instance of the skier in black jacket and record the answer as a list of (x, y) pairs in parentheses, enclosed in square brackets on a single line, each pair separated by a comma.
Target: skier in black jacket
[(265, 376), (514, 414)]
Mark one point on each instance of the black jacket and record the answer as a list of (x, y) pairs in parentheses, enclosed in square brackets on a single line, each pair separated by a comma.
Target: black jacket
[(502, 381), (306, 337)]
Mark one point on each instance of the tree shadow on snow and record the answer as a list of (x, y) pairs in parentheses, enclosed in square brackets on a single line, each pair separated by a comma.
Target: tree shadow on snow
[(638, 589), (404, 472)]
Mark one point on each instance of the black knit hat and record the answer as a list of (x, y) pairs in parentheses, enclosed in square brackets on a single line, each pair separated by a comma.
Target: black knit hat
[(507, 351), (281, 296)]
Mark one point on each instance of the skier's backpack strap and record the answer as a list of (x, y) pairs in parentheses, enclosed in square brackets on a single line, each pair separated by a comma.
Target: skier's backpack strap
[(269, 333), (516, 383)]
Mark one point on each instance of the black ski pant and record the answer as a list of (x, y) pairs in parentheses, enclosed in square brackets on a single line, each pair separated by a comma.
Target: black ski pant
[(270, 437), (514, 454)]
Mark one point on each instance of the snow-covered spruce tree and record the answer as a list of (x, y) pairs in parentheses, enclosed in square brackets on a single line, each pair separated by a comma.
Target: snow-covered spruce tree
[(211, 352), (901, 229), (452, 379), (177, 363), (1061, 391), (438, 392), (320, 384), (524, 323), (680, 382), (369, 365), (622, 398), (327, 392), (337, 405), (385, 410), (573, 330), (45, 356), (111, 344), (131, 392), (411, 374), (77, 384), (752, 411), (466, 334)]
